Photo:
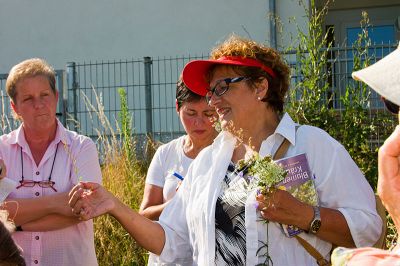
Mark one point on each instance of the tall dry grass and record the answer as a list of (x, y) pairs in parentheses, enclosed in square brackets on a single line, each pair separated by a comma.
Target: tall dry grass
[(124, 176)]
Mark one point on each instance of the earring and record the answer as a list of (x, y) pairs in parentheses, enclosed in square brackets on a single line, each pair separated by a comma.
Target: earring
[(259, 98)]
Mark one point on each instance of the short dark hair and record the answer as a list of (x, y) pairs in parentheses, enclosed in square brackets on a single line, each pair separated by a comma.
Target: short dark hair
[(184, 94)]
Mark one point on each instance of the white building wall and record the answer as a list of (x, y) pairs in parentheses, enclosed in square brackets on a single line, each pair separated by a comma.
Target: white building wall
[(84, 30), (291, 16)]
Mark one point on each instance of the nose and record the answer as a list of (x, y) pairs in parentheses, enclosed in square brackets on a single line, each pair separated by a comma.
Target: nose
[(37, 103), (198, 120)]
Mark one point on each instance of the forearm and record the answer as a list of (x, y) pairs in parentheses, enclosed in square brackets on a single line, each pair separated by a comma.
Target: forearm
[(153, 212), (334, 228), (283, 208), (23, 211), (148, 234), (50, 222)]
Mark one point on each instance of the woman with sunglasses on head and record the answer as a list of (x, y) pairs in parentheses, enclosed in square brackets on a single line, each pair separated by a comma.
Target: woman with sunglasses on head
[(214, 211), (172, 160), (46, 160), (384, 78)]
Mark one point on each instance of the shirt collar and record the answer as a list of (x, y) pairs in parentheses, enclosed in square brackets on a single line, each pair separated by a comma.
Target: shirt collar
[(287, 129), (61, 135)]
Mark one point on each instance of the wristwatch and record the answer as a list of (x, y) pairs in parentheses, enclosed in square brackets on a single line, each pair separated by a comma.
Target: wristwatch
[(315, 224)]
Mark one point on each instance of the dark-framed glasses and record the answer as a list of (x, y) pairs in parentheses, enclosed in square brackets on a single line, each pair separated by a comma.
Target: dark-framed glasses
[(44, 183), (392, 107), (32, 183), (222, 86)]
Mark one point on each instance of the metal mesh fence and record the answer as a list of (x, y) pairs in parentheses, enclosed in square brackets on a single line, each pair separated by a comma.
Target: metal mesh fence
[(150, 85)]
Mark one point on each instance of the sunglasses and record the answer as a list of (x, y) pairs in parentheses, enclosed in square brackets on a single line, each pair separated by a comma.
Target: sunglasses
[(392, 107)]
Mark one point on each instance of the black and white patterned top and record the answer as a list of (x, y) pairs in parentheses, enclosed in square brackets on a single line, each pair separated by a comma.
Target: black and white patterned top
[(230, 230)]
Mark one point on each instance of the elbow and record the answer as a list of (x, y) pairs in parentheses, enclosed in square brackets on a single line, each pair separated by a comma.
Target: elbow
[(148, 215)]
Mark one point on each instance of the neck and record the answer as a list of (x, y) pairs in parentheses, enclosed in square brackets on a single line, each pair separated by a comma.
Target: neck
[(37, 140), (192, 147), (260, 129)]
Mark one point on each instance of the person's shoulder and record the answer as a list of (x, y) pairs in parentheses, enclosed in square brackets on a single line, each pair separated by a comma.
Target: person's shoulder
[(173, 143), (315, 135), (317, 142), (77, 138), (77, 142), (8, 138), (171, 146)]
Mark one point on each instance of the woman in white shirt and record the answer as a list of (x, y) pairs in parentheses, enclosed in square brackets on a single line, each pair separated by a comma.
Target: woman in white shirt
[(172, 160), (214, 212)]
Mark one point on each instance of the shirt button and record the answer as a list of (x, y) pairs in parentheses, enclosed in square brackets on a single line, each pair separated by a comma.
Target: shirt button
[(37, 194), (35, 261), (37, 237), (37, 173)]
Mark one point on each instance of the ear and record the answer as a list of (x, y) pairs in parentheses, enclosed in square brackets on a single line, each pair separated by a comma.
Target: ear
[(262, 88), (13, 107), (176, 106)]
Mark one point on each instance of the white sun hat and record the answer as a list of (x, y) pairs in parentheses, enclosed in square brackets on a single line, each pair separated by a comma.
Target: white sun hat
[(383, 76)]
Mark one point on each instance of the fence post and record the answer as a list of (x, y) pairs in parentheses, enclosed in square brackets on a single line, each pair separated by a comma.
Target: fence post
[(147, 85), (73, 86), (61, 101)]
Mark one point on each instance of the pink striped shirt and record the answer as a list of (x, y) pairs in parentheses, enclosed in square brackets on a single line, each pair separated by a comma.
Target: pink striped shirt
[(73, 245)]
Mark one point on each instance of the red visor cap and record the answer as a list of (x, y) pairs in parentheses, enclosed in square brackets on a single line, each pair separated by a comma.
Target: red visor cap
[(194, 73)]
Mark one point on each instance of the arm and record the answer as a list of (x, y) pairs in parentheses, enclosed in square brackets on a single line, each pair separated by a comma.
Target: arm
[(389, 175), (50, 222), (89, 200), (152, 204), (26, 210), (283, 208), (153, 201)]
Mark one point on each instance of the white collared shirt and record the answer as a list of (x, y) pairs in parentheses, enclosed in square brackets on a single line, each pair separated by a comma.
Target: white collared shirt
[(189, 219), (76, 159)]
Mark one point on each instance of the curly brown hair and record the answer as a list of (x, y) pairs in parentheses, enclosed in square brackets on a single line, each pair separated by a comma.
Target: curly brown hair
[(278, 86)]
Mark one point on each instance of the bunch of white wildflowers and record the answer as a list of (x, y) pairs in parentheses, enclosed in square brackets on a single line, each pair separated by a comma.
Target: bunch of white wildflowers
[(268, 173)]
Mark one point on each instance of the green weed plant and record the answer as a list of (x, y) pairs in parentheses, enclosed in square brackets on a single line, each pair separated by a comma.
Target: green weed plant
[(355, 125)]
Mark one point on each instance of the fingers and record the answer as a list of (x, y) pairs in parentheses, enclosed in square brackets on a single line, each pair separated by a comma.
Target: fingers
[(74, 195), (89, 185), (265, 203)]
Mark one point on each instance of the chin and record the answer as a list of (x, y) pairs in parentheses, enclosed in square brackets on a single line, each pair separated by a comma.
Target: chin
[(225, 124)]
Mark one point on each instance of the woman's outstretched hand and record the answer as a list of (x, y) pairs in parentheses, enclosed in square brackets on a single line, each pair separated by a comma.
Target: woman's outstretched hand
[(89, 200)]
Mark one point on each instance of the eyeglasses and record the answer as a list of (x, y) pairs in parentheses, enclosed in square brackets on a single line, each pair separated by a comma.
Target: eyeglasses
[(392, 107), (44, 183), (222, 86)]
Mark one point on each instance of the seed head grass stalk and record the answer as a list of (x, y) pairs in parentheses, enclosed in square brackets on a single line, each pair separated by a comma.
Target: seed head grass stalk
[(124, 176)]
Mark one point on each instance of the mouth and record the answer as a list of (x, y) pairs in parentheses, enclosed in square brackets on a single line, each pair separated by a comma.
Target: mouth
[(42, 116), (199, 131)]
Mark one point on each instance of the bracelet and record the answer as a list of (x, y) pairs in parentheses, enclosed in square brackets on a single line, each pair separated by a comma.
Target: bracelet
[(18, 228)]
